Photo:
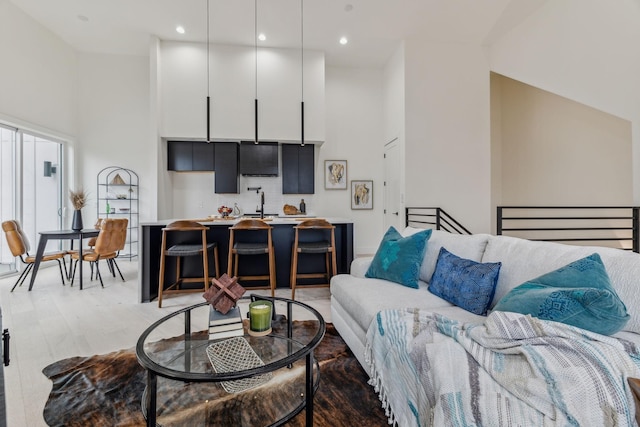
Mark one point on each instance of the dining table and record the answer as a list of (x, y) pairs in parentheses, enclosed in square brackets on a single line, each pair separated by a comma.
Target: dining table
[(72, 235)]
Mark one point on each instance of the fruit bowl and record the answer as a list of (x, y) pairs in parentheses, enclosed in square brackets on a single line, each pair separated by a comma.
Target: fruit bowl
[(225, 210)]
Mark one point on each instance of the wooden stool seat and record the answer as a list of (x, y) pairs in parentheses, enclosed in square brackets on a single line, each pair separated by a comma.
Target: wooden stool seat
[(256, 228), (186, 249), (319, 228)]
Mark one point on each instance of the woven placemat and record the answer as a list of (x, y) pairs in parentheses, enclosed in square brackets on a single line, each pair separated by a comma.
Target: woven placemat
[(232, 355)]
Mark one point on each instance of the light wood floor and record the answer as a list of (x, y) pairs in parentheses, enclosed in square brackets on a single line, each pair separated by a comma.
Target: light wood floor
[(54, 322)]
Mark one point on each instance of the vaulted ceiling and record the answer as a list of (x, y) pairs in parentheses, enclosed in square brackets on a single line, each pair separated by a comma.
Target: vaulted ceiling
[(374, 28)]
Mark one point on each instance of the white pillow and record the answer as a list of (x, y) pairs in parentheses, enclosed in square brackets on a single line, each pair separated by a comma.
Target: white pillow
[(463, 245)]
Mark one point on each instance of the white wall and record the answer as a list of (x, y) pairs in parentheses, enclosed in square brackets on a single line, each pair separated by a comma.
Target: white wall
[(354, 133), (37, 77), (114, 114), (584, 50), (496, 147), (394, 96), (448, 153)]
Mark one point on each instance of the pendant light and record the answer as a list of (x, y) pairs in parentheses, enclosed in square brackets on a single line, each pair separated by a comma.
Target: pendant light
[(208, 80), (255, 38), (302, 73)]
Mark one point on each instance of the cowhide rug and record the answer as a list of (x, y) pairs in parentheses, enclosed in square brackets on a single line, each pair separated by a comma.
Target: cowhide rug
[(106, 390)]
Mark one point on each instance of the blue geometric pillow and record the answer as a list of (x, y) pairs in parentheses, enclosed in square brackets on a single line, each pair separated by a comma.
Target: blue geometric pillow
[(464, 282), (578, 294), (398, 258)]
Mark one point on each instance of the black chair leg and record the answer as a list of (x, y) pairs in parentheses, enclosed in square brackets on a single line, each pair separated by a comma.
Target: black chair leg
[(66, 273), (69, 272), (73, 273), (110, 265), (116, 265), (22, 276), (98, 274), (61, 273)]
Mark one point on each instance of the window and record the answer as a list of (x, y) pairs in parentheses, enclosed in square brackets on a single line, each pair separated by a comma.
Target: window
[(30, 187)]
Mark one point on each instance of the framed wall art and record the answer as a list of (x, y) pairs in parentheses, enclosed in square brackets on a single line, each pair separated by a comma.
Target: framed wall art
[(335, 174), (362, 194)]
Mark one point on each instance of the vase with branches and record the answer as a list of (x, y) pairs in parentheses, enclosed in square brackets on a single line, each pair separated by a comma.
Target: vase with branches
[(78, 201)]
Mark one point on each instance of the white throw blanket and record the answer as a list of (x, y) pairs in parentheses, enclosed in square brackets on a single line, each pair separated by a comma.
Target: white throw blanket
[(513, 370)]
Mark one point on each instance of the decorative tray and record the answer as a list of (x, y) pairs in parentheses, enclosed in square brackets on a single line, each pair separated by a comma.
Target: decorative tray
[(232, 355)]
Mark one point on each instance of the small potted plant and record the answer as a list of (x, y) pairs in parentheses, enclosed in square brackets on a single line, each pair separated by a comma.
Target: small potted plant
[(78, 201)]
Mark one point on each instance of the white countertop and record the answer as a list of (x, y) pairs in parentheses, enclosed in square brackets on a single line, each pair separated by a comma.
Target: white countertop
[(293, 219)]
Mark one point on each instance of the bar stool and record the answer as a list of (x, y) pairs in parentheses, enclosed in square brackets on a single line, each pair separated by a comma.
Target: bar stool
[(181, 250), (252, 247), (315, 229)]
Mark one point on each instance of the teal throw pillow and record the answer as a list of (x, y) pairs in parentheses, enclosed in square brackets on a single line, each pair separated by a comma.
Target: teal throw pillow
[(578, 294), (398, 258), (466, 283)]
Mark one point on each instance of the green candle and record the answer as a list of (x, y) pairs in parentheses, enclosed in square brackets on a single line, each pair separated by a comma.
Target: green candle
[(260, 313)]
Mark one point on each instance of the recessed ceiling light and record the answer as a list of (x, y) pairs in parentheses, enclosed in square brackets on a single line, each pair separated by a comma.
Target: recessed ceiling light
[(83, 18), (180, 29), (262, 37), (343, 40)]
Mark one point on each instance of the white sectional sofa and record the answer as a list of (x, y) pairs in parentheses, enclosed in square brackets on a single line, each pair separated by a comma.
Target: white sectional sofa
[(356, 299)]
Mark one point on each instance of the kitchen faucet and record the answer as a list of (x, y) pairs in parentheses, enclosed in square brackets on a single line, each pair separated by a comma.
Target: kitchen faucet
[(261, 210)]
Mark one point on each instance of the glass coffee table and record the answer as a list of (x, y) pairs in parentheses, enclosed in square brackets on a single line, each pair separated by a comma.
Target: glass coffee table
[(240, 381)]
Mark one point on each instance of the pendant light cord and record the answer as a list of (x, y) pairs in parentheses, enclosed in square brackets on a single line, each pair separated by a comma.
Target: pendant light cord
[(302, 72), (208, 81), (255, 38), (208, 54), (302, 47)]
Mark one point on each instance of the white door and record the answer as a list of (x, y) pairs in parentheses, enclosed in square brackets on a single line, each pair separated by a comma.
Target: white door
[(393, 210)]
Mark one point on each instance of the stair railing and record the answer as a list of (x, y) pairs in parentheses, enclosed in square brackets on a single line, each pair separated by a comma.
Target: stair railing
[(613, 226), (438, 218)]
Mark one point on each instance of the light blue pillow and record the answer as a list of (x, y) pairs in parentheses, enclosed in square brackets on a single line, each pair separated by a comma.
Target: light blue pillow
[(578, 294), (464, 282), (398, 258)]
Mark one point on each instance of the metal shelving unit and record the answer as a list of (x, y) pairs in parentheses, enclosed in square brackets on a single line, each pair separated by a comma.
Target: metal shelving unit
[(118, 198)]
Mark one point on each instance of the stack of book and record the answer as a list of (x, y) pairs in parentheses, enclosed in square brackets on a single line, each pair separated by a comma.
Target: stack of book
[(225, 325)]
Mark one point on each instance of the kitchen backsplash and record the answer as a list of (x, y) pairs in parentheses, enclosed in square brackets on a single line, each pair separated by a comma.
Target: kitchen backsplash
[(274, 200)]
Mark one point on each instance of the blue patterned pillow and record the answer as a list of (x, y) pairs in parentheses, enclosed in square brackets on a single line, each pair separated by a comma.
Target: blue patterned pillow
[(398, 258), (578, 294), (464, 282)]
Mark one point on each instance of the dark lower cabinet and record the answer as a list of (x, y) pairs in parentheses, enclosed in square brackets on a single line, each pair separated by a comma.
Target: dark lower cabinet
[(298, 169), (226, 166), (185, 156)]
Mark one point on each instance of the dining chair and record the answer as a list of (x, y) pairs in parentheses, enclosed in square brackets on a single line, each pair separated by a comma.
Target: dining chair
[(110, 241), (91, 242), (19, 246)]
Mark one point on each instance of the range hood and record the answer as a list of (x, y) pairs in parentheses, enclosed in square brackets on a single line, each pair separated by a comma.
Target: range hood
[(259, 159)]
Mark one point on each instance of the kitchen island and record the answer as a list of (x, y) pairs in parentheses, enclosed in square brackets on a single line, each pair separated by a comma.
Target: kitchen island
[(282, 233)]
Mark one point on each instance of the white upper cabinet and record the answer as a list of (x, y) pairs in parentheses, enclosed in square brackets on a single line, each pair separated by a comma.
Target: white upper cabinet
[(232, 87)]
